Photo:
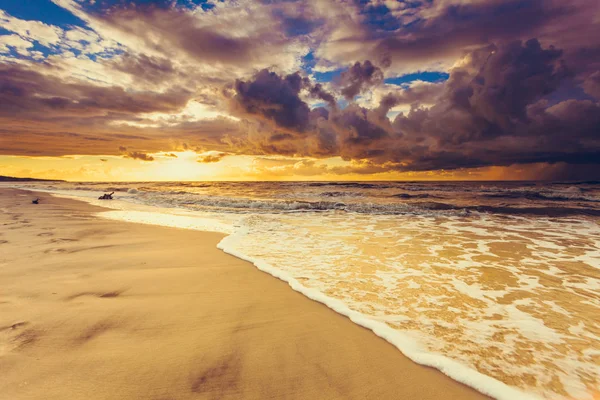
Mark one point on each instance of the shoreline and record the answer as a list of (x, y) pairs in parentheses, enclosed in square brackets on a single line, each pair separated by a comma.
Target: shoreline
[(358, 365)]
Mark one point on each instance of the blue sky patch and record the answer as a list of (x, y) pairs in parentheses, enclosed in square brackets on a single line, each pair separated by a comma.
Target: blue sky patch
[(328, 76), (309, 62), (419, 76), (41, 10), (101, 5), (380, 18)]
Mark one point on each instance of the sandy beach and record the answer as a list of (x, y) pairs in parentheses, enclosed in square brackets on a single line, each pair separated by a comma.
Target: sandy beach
[(98, 309)]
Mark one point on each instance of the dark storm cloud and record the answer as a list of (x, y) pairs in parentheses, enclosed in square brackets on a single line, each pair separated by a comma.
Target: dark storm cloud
[(274, 98), (360, 77), (511, 78), (493, 101), (493, 110), (319, 132), (498, 115), (317, 91)]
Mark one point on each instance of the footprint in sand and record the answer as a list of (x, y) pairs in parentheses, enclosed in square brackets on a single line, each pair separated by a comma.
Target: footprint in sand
[(14, 326), (46, 234), (3, 241), (26, 338), (63, 240), (59, 250), (17, 337), (101, 295), (95, 330)]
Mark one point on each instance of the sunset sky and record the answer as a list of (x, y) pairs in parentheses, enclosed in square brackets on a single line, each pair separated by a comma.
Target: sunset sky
[(300, 90)]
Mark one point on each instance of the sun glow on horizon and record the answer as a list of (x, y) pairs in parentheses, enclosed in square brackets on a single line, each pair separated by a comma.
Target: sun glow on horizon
[(219, 166)]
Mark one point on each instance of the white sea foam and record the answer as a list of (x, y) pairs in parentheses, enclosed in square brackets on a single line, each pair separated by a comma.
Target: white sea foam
[(406, 344)]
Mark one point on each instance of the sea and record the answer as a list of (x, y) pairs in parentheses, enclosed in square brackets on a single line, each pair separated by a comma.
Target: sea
[(496, 284)]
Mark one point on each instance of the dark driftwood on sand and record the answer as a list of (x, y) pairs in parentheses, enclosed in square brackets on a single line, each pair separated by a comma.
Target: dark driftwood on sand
[(106, 196)]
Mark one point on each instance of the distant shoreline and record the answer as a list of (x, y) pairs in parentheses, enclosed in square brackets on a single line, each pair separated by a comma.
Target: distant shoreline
[(15, 179)]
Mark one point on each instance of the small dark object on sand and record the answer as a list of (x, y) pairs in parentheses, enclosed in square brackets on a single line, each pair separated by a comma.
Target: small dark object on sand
[(36, 201), (106, 196)]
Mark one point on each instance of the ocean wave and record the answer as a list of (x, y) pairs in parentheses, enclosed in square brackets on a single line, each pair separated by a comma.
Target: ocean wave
[(567, 195), (350, 205), (537, 211), (244, 205), (355, 197), (238, 205), (578, 183), (412, 196), (358, 185), (340, 194)]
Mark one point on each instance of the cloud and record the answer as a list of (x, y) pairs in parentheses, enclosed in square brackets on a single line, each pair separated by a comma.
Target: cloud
[(31, 94), (273, 98), (493, 110), (144, 68), (417, 93), (214, 40), (211, 157), (47, 35), (16, 42), (592, 85), (239, 78), (318, 92), (360, 77), (136, 155)]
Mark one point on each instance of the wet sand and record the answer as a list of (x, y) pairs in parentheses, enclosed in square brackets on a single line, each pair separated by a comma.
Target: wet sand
[(98, 309)]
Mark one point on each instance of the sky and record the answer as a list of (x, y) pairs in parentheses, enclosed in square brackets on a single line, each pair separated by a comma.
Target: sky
[(132, 90)]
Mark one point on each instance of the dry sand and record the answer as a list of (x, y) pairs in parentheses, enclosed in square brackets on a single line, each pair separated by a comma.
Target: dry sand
[(98, 309)]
